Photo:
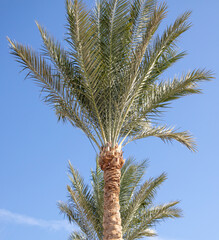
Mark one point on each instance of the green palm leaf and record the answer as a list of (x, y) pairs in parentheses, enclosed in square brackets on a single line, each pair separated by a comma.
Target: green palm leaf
[(77, 236), (131, 176), (143, 196), (148, 218)]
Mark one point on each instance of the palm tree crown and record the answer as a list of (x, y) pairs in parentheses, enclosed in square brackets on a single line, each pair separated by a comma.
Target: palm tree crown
[(108, 81), (139, 215)]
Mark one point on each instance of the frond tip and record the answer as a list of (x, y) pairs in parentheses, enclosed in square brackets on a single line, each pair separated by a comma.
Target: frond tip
[(167, 134)]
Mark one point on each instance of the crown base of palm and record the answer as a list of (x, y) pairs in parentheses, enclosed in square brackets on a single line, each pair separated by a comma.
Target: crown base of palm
[(111, 157)]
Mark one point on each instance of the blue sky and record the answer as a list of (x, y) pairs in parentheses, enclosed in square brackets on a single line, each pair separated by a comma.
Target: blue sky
[(35, 149)]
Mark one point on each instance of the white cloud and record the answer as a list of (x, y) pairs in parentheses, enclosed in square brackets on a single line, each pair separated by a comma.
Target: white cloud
[(56, 225)]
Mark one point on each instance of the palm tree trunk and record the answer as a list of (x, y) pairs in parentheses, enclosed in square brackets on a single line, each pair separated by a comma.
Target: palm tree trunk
[(111, 162)]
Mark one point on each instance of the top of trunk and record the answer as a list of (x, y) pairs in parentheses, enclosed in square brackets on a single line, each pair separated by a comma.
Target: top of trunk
[(111, 157)]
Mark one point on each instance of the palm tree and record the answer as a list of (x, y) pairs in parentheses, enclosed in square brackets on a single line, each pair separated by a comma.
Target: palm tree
[(108, 81), (139, 215)]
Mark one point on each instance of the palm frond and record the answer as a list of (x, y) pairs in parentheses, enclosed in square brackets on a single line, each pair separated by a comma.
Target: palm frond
[(52, 85), (140, 14), (142, 197), (112, 23), (152, 25), (159, 95), (138, 234), (97, 183), (151, 55), (82, 40), (75, 215), (59, 56), (166, 60), (131, 175), (77, 236), (149, 217), (161, 45), (166, 134), (84, 198)]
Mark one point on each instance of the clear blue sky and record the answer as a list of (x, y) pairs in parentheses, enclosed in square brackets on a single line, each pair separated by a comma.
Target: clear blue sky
[(35, 149)]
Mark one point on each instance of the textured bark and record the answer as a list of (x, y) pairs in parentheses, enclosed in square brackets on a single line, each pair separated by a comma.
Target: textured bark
[(111, 162)]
